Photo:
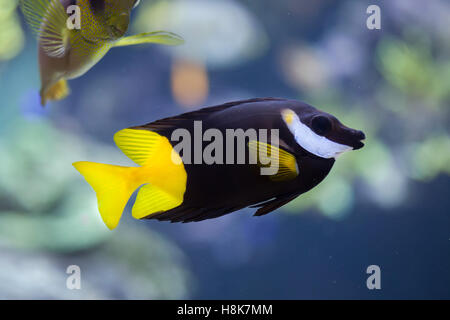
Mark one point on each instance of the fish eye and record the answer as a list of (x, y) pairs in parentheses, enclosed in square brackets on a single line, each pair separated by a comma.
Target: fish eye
[(136, 3), (321, 125)]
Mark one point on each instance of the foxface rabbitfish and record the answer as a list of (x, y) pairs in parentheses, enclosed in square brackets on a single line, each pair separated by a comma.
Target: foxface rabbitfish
[(182, 185)]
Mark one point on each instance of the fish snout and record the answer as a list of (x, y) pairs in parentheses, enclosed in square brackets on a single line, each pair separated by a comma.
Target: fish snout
[(358, 136), (358, 145)]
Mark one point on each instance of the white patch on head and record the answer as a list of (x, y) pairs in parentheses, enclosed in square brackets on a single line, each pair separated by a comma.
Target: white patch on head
[(311, 141)]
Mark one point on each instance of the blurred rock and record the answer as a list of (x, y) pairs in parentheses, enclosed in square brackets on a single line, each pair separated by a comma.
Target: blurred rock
[(133, 264)]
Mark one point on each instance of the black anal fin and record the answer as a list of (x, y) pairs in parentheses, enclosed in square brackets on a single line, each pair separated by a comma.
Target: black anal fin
[(272, 205)]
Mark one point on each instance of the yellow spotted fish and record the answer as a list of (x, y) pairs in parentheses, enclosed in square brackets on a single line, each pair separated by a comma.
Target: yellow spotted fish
[(74, 35)]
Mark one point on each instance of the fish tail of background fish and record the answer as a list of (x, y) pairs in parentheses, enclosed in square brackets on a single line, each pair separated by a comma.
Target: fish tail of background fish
[(57, 91)]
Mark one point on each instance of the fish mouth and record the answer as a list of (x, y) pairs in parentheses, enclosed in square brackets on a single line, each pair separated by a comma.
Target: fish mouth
[(358, 145), (360, 136)]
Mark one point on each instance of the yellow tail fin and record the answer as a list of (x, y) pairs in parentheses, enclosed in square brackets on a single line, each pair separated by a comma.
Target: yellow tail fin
[(113, 185), (161, 172), (58, 91)]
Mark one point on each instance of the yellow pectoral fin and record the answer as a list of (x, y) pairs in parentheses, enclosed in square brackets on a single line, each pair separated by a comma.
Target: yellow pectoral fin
[(159, 37), (268, 155)]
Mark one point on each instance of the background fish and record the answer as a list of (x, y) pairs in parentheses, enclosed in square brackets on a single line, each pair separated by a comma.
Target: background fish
[(309, 142), (69, 53)]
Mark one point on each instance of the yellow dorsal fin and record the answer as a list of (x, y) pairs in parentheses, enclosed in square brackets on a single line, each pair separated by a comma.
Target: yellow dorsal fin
[(138, 144), (159, 37), (48, 20), (267, 154)]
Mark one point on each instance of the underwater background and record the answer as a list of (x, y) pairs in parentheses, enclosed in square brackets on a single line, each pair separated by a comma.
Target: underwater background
[(386, 205)]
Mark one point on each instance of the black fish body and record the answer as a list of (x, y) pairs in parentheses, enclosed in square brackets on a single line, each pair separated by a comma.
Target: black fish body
[(179, 184), (218, 189)]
